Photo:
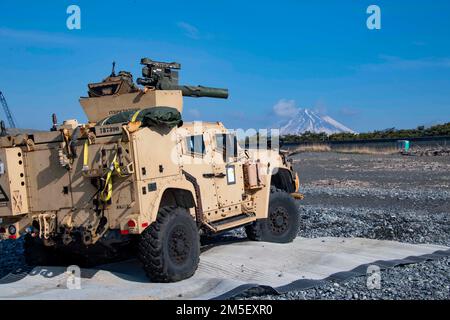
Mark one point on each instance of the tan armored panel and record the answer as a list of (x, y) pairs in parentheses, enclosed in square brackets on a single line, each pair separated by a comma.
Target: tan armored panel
[(48, 181), (13, 190), (98, 108)]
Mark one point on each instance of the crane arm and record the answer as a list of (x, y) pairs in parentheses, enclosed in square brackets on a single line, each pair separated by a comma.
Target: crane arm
[(7, 111)]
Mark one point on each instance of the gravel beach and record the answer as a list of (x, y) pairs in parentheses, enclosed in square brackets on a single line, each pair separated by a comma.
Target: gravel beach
[(390, 197)]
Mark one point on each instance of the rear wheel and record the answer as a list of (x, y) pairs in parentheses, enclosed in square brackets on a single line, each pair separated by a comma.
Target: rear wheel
[(170, 247), (282, 222), (36, 253)]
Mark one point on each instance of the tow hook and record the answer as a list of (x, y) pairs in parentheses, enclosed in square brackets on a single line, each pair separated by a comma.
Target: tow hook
[(298, 196), (67, 238)]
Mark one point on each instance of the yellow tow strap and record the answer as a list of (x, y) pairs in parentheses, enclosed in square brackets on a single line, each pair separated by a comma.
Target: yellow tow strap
[(106, 193), (86, 155), (135, 115)]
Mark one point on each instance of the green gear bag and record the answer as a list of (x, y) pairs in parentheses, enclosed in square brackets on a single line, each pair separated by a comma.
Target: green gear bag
[(121, 117), (149, 117)]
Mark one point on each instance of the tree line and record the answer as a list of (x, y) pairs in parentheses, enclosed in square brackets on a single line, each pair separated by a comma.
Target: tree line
[(391, 133)]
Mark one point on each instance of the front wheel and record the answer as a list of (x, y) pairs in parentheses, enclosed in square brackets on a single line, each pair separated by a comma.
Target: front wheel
[(170, 247), (282, 222)]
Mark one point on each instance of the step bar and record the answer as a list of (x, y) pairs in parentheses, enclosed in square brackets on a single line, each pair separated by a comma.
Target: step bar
[(232, 222)]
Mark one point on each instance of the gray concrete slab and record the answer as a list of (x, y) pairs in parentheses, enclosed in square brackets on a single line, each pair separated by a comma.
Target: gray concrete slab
[(223, 269)]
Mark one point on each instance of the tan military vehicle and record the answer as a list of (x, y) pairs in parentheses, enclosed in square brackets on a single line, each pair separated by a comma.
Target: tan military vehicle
[(137, 174)]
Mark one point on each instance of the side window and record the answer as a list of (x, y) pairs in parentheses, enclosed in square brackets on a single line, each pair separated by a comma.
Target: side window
[(195, 145), (226, 144)]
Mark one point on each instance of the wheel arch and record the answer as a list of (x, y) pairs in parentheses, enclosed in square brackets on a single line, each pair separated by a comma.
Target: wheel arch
[(177, 193), (179, 197), (284, 179)]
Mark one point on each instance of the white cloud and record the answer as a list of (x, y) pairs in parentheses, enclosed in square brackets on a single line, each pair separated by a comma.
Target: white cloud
[(419, 43), (397, 63), (37, 36), (321, 107), (349, 111), (285, 108), (194, 113), (189, 30)]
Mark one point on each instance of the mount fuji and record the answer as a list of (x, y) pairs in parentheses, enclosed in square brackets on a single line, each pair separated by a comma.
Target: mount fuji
[(308, 120)]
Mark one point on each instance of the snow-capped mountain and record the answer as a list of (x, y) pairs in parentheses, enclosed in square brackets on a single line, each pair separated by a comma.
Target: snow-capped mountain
[(308, 120)]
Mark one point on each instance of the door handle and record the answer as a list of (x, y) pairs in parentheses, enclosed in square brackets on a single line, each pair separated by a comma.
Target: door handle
[(208, 175), (212, 175)]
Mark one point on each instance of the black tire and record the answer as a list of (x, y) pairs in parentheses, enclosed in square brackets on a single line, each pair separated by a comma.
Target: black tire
[(36, 253), (170, 247), (282, 223)]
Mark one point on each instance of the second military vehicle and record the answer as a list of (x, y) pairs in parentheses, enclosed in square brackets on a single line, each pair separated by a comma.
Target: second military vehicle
[(137, 174)]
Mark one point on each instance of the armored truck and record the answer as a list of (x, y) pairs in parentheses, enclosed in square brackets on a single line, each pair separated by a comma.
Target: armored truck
[(136, 174)]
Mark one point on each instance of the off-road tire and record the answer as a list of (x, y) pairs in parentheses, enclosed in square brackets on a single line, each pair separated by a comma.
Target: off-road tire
[(282, 223), (36, 253), (170, 247)]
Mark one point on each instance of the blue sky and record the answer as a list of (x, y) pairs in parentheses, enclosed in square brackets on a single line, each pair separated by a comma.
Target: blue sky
[(314, 54)]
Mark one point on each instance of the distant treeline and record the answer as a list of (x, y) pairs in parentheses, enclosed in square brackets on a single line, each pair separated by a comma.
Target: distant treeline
[(392, 133)]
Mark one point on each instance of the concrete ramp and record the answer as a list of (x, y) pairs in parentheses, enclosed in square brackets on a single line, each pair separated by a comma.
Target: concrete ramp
[(226, 270)]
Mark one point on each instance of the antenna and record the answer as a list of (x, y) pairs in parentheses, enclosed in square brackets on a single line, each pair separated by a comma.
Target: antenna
[(113, 72), (54, 122)]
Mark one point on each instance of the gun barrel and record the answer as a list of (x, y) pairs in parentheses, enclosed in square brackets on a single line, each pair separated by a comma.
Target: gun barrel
[(189, 91), (200, 91)]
